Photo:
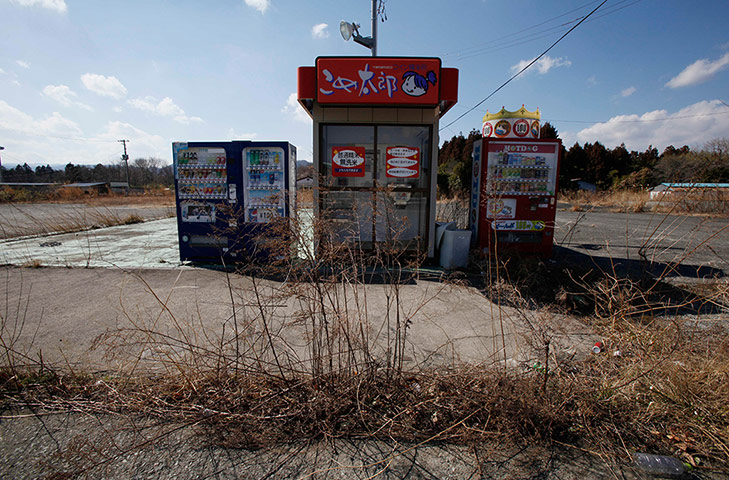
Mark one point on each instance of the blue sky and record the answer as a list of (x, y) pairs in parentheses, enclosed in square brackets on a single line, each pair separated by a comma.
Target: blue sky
[(76, 76)]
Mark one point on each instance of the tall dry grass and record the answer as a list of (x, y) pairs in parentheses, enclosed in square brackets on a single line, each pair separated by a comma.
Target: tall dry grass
[(258, 376)]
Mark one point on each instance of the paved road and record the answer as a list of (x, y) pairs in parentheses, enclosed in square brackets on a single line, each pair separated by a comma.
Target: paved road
[(699, 245), (150, 244), (45, 218)]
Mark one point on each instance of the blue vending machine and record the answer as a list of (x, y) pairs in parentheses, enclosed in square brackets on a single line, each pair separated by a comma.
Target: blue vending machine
[(227, 193)]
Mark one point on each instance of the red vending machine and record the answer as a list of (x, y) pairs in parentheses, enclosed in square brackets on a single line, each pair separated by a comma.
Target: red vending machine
[(513, 195)]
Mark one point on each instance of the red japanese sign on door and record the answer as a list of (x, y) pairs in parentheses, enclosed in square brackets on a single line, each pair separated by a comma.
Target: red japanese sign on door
[(348, 161), (402, 162)]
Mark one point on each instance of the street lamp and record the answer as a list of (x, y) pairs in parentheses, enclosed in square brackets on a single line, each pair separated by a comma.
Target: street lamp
[(351, 30)]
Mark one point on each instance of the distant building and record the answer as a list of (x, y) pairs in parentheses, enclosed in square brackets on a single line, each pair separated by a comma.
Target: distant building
[(32, 186), (100, 188), (119, 187), (664, 189), (584, 185), (305, 183), (104, 188)]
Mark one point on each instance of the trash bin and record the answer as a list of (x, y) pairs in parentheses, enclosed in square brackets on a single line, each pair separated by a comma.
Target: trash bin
[(454, 248), (441, 227)]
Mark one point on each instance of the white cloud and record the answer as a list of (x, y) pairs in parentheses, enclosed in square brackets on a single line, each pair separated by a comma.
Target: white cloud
[(293, 108), (23, 63), (2, 72), (165, 108), (320, 31), (57, 5), (260, 5), (699, 72), (241, 136), (592, 80), (692, 125), (141, 143), (14, 120), (63, 95), (54, 139), (104, 86), (628, 91), (543, 65)]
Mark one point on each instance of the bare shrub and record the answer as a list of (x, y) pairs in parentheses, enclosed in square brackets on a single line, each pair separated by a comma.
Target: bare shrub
[(339, 367)]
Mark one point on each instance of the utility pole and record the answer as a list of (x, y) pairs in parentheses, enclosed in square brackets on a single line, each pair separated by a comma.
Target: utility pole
[(374, 28), (1, 164), (125, 157)]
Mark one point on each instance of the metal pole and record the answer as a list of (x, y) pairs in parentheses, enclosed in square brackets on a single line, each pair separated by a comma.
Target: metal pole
[(374, 28), (125, 157), (1, 165)]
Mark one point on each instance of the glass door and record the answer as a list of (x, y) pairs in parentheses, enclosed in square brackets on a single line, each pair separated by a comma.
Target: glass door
[(375, 183)]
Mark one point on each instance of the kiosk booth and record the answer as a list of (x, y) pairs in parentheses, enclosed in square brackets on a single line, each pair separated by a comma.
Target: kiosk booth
[(514, 189), (376, 145)]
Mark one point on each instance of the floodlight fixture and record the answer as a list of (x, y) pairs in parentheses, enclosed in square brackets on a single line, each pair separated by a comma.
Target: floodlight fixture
[(347, 29), (351, 30)]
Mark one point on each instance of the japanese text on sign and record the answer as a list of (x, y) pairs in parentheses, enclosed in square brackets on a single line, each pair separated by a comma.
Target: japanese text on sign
[(402, 162), (385, 80), (348, 161)]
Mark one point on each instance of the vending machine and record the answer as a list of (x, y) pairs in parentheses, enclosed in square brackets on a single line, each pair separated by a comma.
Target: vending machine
[(227, 195), (514, 194)]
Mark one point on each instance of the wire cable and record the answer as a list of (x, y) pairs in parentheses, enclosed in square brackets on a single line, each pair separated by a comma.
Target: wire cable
[(667, 119), (491, 45), (527, 66), (478, 47)]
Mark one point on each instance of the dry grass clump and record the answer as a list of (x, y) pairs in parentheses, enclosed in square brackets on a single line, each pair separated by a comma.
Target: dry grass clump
[(661, 383), (624, 200), (56, 194), (701, 201), (664, 393), (453, 210)]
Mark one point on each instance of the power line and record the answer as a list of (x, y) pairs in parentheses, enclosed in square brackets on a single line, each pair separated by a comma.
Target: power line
[(678, 117), (526, 67), (476, 47), (491, 46)]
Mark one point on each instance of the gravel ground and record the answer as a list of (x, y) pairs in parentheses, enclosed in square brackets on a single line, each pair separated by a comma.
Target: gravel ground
[(72, 445)]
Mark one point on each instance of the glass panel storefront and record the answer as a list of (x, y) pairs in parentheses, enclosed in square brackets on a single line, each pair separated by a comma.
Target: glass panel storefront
[(403, 158), (349, 214), (354, 138), (375, 181)]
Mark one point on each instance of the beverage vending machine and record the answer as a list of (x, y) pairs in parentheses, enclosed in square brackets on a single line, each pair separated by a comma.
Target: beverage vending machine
[(514, 194), (227, 194)]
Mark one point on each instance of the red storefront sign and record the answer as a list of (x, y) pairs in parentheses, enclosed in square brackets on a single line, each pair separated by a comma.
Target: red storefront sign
[(348, 161), (402, 162), (378, 80)]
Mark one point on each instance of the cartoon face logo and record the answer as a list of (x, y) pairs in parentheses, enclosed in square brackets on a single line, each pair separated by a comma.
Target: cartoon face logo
[(415, 85)]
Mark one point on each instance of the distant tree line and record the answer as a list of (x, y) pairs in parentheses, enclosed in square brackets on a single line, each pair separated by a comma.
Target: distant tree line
[(143, 172), (616, 168)]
